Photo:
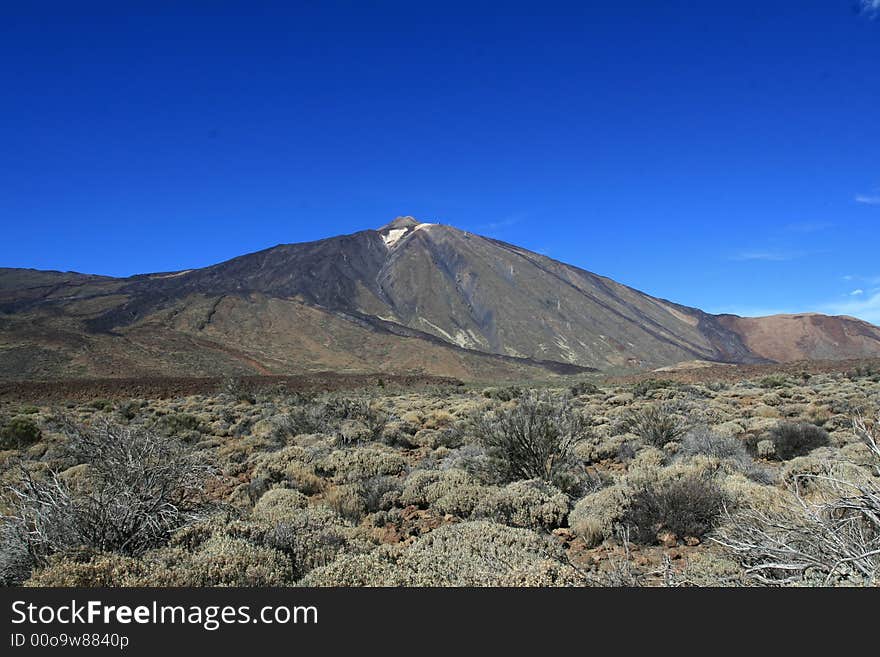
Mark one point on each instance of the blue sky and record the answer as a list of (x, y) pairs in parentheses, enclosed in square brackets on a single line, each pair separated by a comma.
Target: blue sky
[(724, 155)]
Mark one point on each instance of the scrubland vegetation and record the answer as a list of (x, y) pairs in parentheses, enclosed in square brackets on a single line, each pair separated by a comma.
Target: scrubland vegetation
[(766, 482)]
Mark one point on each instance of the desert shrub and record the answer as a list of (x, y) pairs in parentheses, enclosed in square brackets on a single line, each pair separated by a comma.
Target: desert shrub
[(376, 568), (279, 504), (642, 388), (312, 537), (257, 487), (731, 451), (647, 465), (352, 420), (469, 457), (599, 447), (225, 561), (657, 424), (461, 500), (774, 381), (704, 441), (869, 372), (15, 559), (434, 438), (438, 419), (625, 451), (100, 570), (818, 415), (303, 420), (129, 410), (346, 500), (686, 507), (184, 426), (596, 516), (303, 478), (380, 493), (274, 465), (583, 388), (476, 553), (531, 504), (811, 473), (830, 538), (137, 490), (536, 439), (235, 389), (505, 394), (423, 487), (348, 465), (19, 433), (417, 484), (191, 537), (711, 569), (220, 561), (792, 439), (485, 554)]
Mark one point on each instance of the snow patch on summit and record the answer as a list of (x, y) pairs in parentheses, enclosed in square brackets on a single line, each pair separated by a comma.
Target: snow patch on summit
[(393, 236)]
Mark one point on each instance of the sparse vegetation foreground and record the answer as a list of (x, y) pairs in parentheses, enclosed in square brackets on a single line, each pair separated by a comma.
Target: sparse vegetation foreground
[(773, 481)]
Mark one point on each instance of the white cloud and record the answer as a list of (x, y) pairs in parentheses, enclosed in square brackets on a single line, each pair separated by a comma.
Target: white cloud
[(863, 307), (867, 200), (856, 293), (767, 256), (863, 281), (870, 7)]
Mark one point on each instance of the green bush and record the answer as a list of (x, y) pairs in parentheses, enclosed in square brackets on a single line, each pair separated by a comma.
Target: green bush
[(583, 388), (101, 570), (792, 439), (467, 554), (774, 381), (219, 561), (19, 433), (380, 493), (505, 394), (685, 507), (460, 501), (184, 426), (128, 410), (279, 504), (596, 517), (311, 537), (657, 424), (349, 465), (531, 504), (422, 488), (536, 439), (350, 419), (346, 500), (642, 388), (226, 561)]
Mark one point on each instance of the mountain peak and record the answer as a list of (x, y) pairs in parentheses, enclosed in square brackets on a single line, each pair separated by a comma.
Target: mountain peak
[(410, 296), (399, 228), (400, 222)]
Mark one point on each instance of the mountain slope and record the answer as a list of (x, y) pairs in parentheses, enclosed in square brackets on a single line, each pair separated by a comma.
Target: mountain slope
[(407, 297), (808, 336)]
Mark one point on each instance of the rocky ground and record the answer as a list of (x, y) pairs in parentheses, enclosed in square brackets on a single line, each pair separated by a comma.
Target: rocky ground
[(644, 481)]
